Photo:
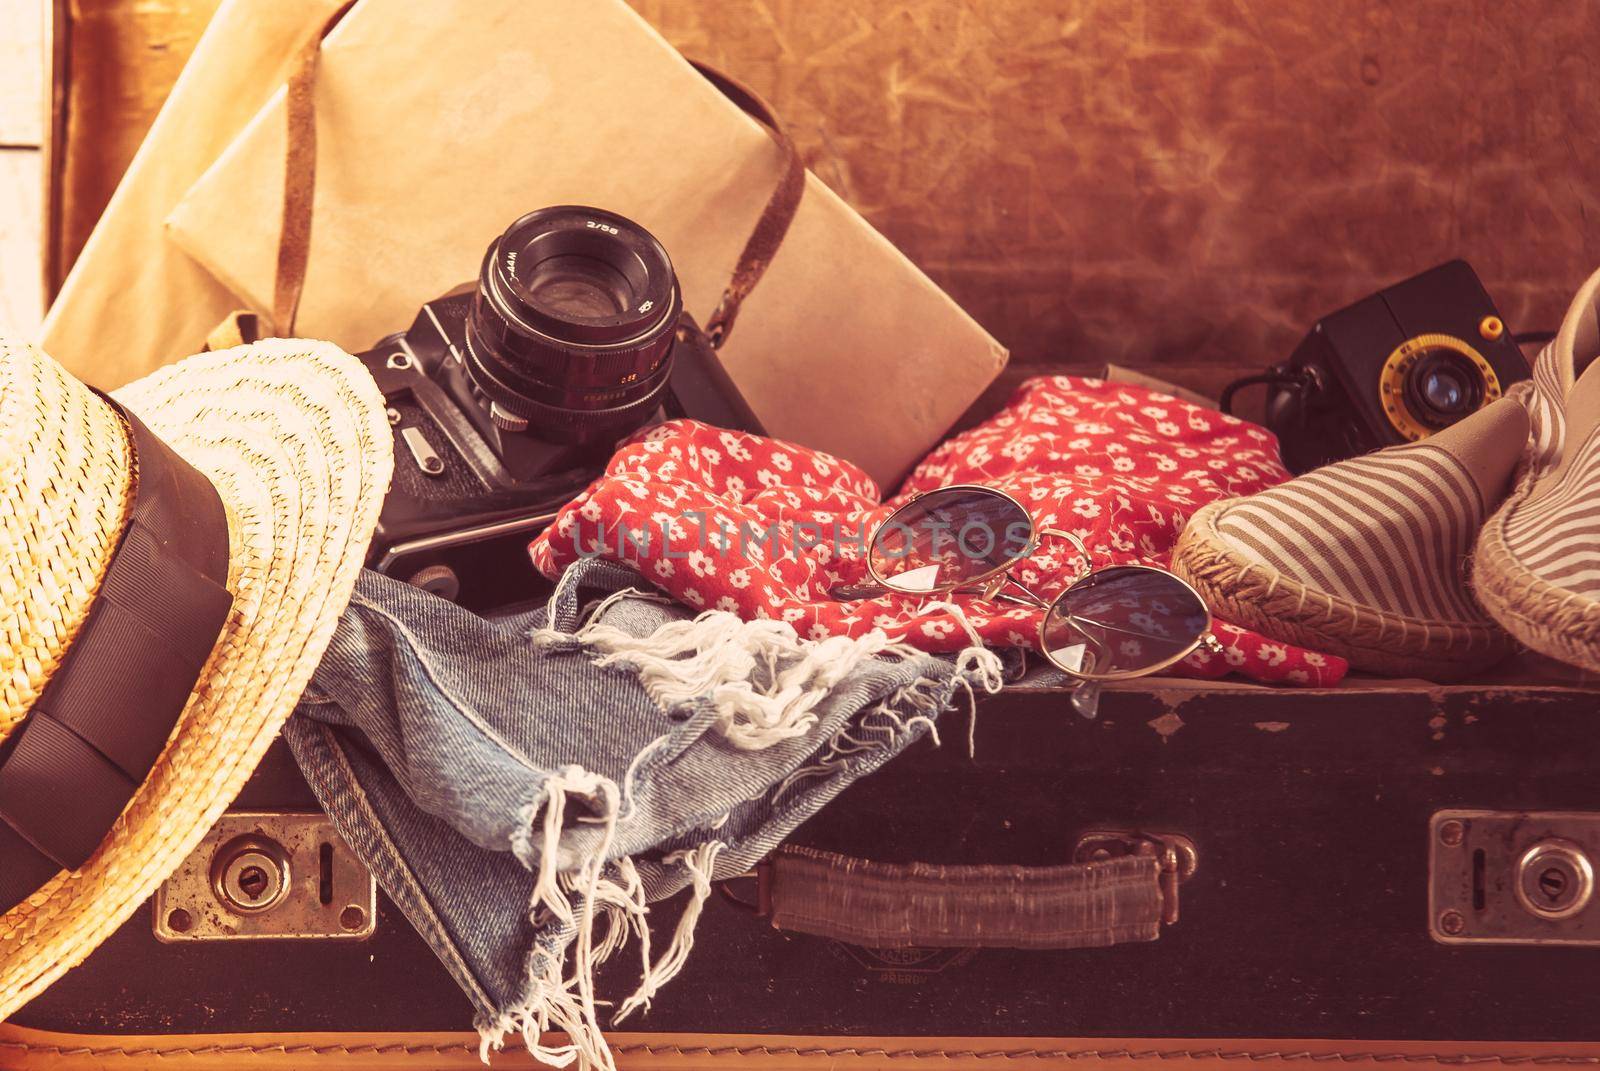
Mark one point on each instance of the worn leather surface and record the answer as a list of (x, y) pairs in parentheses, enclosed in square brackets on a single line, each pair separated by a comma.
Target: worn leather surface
[(33, 1050), (1182, 187), (1187, 187), (114, 64), (1307, 915)]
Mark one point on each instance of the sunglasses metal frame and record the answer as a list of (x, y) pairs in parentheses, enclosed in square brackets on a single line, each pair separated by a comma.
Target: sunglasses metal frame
[(991, 584)]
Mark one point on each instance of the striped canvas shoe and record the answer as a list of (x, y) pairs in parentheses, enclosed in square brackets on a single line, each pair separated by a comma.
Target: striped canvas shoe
[(1366, 558), (1555, 371), (1537, 566)]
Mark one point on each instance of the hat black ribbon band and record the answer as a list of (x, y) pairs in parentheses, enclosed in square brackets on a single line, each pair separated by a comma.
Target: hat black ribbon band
[(97, 727)]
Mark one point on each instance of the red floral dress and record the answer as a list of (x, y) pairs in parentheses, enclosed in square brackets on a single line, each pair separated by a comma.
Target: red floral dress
[(762, 528)]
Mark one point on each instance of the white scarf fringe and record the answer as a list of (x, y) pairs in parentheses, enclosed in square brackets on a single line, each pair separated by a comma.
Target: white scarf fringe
[(699, 862), (719, 656), (715, 655)]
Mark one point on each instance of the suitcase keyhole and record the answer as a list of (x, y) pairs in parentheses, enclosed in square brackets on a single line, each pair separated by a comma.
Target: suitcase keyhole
[(250, 874), (1553, 883), (253, 881), (1555, 879)]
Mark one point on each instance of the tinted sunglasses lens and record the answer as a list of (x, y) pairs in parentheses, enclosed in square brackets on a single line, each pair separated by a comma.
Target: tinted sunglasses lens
[(949, 538), (1126, 619)]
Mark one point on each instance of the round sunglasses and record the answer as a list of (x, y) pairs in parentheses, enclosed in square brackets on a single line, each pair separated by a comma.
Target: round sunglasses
[(1109, 624)]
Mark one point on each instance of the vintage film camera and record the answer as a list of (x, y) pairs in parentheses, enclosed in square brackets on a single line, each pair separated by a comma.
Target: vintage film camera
[(507, 395), (1392, 368)]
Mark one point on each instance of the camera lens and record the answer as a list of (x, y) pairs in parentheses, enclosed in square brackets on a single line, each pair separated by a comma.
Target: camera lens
[(578, 287), (1444, 391), (1441, 387), (573, 323)]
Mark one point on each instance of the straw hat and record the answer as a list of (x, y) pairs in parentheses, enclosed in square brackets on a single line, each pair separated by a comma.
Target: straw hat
[(291, 438)]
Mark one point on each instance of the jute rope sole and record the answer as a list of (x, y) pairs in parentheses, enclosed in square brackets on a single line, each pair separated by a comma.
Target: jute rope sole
[(1265, 599), (1548, 619)]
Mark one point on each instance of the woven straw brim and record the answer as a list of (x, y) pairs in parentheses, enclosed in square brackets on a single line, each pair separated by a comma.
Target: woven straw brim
[(293, 435), (1258, 596), (1548, 619), (66, 486)]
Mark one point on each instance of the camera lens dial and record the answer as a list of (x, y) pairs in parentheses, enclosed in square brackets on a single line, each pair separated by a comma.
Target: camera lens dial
[(1431, 381), (573, 323)]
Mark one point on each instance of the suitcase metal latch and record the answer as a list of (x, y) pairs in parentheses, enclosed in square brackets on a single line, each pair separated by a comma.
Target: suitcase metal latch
[(1178, 856), (267, 875), (1513, 877)]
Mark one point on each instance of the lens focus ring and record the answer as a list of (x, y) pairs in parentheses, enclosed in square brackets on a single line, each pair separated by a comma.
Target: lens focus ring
[(573, 323), (1458, 377), (542, 360), (601, 413)]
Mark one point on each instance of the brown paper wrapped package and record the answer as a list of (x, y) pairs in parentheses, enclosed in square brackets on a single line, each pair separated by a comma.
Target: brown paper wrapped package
[(134, 301), (503, 107)]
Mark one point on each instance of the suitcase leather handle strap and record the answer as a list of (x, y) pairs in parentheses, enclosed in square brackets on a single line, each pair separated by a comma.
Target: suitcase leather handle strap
[(1114, 899), (300, 181)]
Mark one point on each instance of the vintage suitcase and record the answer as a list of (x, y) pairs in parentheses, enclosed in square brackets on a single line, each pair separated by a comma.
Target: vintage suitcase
[(1359, 854), (1339, 910)]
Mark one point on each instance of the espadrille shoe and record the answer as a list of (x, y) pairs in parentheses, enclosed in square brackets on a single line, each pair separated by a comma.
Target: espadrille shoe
[(1555, 371), (1365, 558), (1537, 566)]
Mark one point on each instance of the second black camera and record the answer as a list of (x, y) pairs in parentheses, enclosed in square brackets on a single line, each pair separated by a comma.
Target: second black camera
[(1394, 367)]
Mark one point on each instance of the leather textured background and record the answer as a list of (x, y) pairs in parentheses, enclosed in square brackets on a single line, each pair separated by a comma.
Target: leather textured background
[(1182, 186), (1186, 185)]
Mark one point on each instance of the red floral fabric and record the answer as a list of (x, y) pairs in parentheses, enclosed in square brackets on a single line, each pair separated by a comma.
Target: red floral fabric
[(762, 528)]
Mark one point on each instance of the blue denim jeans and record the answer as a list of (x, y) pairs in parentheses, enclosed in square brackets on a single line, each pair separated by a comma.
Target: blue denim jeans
[(521, 787)]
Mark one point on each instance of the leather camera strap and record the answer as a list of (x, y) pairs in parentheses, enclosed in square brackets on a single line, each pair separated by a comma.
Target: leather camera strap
[(299, 178), (299, 191), (95, 731), (775, 218)]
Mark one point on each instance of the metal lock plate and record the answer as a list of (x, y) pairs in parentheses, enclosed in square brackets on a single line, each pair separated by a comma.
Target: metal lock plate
[(1514, 877), (268, 875)]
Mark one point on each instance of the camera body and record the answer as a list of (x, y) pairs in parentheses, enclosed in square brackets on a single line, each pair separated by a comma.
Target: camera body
[(466, 495), (507, 395), (1394, 367)]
